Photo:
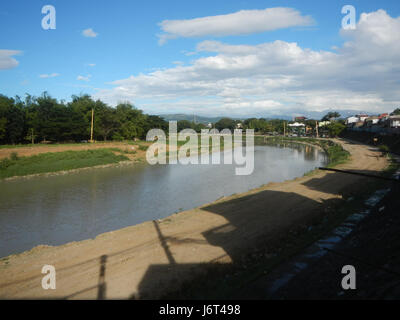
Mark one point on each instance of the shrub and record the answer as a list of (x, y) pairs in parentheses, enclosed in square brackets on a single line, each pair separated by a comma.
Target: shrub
[(14, 156), (384, 148)]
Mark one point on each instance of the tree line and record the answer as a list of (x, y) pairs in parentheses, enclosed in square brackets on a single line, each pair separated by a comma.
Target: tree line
[(43, 118)]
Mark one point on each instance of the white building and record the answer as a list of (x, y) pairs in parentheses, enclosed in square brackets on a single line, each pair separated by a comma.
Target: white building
[(323, 123), (394, 121), (362, 117), (351, 120), (296, 124)]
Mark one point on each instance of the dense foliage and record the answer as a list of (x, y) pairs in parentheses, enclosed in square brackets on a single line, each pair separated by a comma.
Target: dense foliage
[(43, 118)]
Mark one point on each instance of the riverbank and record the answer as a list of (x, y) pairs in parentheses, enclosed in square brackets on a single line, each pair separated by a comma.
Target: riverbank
[(40, 160), (26, 162), (336, 154), (147, 260)]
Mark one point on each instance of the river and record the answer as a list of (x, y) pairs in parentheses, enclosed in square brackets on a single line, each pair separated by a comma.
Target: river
[(59, 209)]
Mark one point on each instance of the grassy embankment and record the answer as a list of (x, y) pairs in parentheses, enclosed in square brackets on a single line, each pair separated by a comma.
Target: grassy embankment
[(70, 160), (56, 161), (335, 152)]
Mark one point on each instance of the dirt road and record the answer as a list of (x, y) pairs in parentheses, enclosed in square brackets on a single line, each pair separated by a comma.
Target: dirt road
[(37, 149), (143, 261)]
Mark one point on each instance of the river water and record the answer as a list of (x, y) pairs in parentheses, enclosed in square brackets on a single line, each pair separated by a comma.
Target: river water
[(58, 209)]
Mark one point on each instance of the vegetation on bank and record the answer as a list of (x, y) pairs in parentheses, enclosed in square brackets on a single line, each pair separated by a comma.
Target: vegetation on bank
[(56, 161), (335, 152), (45, 119)]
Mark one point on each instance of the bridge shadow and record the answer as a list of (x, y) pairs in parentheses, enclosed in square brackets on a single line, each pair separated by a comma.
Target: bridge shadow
[(254, 225), (259, 222)]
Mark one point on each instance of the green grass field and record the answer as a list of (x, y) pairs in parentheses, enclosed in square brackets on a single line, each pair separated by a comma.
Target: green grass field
[(56, 161)]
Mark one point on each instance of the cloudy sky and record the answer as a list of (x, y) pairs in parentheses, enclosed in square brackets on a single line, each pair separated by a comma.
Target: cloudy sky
[(234, 58)]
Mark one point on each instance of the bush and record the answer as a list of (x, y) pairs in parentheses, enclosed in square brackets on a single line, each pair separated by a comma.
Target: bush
[(384, 148), (5, 163), (14, 156)]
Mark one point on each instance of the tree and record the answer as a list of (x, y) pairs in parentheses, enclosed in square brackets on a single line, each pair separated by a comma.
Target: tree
[(335, 128), (331, 115), (225, 123), (395, 112), (105, 120), (184, 124), (46, 118)]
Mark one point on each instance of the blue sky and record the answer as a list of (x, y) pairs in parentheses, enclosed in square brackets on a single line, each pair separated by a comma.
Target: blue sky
[(203, 72)]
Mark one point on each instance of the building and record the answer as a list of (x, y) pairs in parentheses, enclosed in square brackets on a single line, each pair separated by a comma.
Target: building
[(297, 119), (352, 120), (323, 123), (372, 120), (362, 117), (394, 121), (383, 116)]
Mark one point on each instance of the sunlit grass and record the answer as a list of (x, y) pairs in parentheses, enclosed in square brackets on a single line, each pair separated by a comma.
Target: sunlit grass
[(56, 161)]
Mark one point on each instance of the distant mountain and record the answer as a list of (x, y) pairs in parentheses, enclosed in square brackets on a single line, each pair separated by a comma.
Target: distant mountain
[(188, 117), (290, 114)]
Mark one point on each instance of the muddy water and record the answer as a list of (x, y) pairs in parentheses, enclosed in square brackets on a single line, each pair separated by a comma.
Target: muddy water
[(59, 209)]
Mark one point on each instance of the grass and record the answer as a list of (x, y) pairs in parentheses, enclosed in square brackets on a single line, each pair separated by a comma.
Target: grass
[(56, 161), (336, 154)]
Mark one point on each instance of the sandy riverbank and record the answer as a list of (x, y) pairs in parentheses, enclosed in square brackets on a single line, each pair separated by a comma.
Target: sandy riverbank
[(144, 260)]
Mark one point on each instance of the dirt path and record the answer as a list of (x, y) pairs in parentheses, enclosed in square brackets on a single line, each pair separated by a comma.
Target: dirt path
[(142, 261), (37, 149)]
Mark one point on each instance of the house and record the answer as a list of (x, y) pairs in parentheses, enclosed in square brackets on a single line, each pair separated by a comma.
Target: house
[(394, 121), (296, 124), (372, 120), (239, 125), (362, 117), (323, 123), (352, 120), (309, 129), (297, 127), (358, 124), (383, 116), (297, 119)]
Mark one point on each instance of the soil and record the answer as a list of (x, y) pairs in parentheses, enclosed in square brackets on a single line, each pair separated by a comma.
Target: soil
[(146, 260)]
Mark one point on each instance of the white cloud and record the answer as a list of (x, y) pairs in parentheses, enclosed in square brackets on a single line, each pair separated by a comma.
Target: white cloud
[(238, 23), (50, 75), (89, 33), (83, 78), (6, 59), (91, 64), (277, 77)]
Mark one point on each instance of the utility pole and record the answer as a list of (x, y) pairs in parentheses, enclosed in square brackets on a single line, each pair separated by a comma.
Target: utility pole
[(284, 128), (91, 128), (316, 128)]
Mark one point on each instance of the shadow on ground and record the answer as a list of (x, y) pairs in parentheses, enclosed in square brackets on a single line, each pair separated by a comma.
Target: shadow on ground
[(254, 235), (263, 230)]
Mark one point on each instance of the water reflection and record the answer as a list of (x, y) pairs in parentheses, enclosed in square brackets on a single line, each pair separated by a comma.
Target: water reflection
[(60, 209)]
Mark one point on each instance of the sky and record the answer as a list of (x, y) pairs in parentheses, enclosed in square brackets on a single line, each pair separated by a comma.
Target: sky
[(211, 58)]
